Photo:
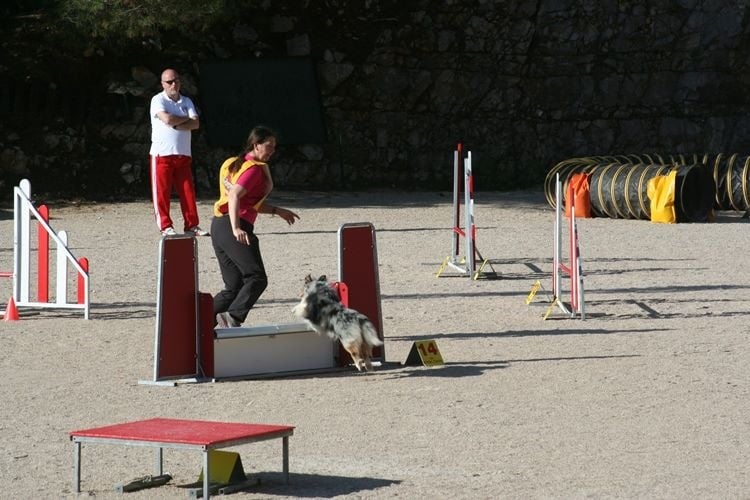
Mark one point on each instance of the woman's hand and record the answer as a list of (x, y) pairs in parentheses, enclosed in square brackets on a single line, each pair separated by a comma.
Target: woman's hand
[(287, 215), (241, 235)]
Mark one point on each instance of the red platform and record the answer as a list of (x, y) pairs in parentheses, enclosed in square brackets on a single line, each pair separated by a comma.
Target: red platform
[(163, 433)]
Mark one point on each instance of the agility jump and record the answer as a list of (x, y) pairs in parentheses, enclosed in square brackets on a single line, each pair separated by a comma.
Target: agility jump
[(573, 269), (187, 347), (23, 210), (463, 188)]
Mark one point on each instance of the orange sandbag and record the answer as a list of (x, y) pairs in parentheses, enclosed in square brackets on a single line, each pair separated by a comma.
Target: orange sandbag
[(579, 186)]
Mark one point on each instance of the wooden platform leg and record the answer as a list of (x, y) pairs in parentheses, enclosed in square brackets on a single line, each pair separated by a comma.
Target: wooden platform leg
[(285, 457), (159, 465), (206, 475), (76, 467)]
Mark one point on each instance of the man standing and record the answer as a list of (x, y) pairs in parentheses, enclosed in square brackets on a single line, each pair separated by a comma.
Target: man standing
[(173, 117)]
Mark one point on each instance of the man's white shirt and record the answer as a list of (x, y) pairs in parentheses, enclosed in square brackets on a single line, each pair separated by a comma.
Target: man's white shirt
[(166, 140)]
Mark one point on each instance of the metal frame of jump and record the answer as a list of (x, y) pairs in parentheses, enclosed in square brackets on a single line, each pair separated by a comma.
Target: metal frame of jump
[(574, 268), (188, 349), (463, 187), (23, 210)]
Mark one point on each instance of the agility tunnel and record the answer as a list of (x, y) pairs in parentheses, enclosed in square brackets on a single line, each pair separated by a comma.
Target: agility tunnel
[(731, 174), (618, 185)]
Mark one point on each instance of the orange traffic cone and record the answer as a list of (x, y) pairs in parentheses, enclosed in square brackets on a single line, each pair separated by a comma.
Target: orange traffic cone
[(11, 312)]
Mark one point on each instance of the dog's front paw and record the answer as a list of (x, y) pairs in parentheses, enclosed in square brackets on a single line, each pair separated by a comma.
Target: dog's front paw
[(299, 311)]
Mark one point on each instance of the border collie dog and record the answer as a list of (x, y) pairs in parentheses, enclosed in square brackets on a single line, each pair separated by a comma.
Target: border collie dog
[(321, 307)]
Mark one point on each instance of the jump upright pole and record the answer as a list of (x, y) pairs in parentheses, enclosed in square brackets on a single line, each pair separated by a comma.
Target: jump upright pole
[(458, 173)]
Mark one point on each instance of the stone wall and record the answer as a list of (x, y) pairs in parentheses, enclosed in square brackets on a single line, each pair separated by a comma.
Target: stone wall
[(522, 84)]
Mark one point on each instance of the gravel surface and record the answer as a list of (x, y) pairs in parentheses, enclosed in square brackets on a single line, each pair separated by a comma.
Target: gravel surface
[(646, 398)]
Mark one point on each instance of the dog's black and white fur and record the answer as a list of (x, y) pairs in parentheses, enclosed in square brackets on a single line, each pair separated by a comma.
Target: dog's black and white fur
[(321, 307)]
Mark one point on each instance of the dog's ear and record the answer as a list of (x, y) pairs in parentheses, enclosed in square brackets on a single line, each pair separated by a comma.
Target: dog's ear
[(308, 279), (323, 278)]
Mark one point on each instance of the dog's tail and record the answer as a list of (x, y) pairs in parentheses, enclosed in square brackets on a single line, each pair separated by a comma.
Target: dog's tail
[(369, 332)]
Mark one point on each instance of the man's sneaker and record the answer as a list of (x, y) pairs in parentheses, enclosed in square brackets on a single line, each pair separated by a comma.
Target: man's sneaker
[(225, 320), (197, 231), (169, 231)]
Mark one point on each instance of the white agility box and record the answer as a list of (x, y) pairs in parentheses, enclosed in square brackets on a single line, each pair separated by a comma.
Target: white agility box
[(271, 350)]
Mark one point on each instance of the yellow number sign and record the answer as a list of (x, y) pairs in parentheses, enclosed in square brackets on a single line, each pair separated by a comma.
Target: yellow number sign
[(424, 352)]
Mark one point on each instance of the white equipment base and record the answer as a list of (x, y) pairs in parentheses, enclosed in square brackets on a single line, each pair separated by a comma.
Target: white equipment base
[(271, 350)]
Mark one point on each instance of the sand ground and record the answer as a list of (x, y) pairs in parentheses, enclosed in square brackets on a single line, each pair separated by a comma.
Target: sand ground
[(647, 398)]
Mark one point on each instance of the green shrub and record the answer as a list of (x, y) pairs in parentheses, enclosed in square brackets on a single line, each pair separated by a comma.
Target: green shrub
[(121, 21)]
